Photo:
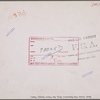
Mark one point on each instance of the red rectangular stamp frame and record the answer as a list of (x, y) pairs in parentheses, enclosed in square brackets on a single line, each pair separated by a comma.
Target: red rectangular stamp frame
[(49, 64)]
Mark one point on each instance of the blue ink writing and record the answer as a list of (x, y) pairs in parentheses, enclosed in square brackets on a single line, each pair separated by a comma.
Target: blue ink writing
[(87, 74), (10, 31)]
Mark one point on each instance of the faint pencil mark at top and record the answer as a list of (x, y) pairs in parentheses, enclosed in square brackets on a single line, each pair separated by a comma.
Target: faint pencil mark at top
[(95, 4), (10, 31)]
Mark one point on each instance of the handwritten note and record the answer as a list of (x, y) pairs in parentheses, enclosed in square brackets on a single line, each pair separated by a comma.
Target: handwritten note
[(18, 14)]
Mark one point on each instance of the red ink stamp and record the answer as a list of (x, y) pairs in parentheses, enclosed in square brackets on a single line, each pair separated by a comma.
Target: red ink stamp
[(53, 51)]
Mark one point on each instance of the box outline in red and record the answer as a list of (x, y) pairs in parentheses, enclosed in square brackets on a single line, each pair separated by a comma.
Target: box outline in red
[(72, 64)]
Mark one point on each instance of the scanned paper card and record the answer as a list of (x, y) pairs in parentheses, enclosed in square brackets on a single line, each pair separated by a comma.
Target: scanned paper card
[(50, 50)]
